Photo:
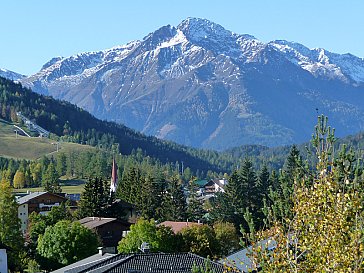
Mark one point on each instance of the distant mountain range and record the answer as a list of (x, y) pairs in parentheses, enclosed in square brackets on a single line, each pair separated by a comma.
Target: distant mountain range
[(10, 75), (201, 85)]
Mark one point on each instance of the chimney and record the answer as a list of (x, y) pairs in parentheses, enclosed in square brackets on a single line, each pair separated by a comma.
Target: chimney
[(101, 250)]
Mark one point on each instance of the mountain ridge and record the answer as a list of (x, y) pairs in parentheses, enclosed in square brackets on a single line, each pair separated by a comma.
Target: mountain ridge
[(201, 85)]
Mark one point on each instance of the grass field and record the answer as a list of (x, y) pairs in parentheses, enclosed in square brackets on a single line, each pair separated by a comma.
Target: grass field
[(65, 189), (68, 186), (31, 148)]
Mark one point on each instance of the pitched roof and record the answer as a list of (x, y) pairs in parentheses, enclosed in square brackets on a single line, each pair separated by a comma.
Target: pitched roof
[(218, 182), (201, 183), (178, 226), (151, 263), (85, 263), (27, 198), (94, 222), (241, 259)]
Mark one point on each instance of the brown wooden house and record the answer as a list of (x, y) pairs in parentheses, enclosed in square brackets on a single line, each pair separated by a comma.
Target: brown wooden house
[(110, 230)]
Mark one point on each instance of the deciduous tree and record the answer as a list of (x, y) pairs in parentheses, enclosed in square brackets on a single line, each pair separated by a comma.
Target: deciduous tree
[(10, 234), (19, 180), (325, 232), (67, 242)]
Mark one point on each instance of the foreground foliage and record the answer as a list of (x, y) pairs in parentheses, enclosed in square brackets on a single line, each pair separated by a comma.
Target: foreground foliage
[(10, 234), (325, 232)]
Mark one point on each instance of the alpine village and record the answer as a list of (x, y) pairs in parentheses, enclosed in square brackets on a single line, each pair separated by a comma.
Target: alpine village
[(192, 150)]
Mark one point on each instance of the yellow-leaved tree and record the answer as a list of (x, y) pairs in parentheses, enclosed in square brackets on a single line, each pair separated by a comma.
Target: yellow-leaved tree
[(325, 233)]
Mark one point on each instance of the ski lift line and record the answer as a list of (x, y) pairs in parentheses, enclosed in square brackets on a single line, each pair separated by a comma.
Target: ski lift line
[(17, 127), (42, 132)]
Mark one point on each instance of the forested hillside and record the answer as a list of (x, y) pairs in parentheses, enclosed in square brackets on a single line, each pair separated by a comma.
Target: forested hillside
[(76, 125), (70, 123)]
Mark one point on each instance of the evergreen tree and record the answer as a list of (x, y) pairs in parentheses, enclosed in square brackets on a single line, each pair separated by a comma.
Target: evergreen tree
[(263, 182), (234, 191), (279, 203), (36, 173), (61, 164), (174, 204), (50, 180), (262, 191), (130, 185), (94, 199), (292, 164), (148, 204), (195, 209)]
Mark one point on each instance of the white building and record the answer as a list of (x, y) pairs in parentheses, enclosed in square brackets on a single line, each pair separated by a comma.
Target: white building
[(3, 259), (40, 202)]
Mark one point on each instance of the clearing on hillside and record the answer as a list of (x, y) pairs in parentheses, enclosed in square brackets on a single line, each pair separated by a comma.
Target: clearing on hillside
[(31, 148)]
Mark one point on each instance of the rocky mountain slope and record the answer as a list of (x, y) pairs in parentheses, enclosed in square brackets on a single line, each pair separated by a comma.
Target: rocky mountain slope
[(201, 85), (10, 75)]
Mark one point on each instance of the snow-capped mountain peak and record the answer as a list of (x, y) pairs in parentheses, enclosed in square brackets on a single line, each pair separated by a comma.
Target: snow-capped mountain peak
[(202, 85), (323, 63), (197, 29)]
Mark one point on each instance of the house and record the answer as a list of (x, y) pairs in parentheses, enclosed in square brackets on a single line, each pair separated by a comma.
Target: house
[(210, 187), (3, 258), (178, 226), (40, 202), (241, 259), (123, 210), (110, 230), (142, 263), (201, 186), (214, 186)]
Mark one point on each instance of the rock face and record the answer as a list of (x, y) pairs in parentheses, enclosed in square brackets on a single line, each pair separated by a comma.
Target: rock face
[(201, 85), (10, 75)]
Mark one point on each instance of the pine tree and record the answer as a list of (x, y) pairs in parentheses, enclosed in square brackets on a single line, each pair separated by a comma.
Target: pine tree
[(174, 204), (130, 185), (94, 199), (61, 164), (149, 198), (50, 180), (195, 209)]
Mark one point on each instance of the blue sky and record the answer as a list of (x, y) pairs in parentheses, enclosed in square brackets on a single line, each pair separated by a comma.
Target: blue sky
[(32, 32)]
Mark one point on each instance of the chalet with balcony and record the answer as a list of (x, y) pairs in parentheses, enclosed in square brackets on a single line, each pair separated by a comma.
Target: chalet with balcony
[(40, 202)]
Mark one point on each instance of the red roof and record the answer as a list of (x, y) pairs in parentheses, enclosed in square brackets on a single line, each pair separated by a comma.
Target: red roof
[(178, 226)]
